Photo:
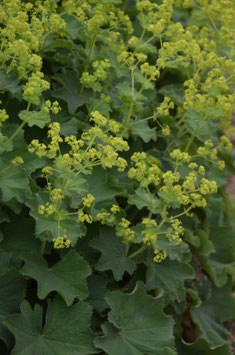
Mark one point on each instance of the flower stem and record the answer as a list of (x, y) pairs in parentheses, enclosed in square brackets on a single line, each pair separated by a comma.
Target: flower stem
[(43, 246), (20, 127), (139, 251)]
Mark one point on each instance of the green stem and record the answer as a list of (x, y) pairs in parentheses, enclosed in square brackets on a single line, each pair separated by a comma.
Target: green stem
[(144, 119), (181, 214), (43, 246), (180, 121), (140, 40), (20, 127), (181, 130), (108, 82), (169, 147), (190, 141), (139, 251), (89, 57), (127, 249)]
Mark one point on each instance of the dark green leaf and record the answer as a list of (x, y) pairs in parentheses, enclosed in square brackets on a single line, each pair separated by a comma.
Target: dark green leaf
[(170, 275), (67, 277), (174, 92), (66, 331), (19, 235), (113, 253), (137, 325), (99, 187), (13, 181), (97, 290), (70, 92)]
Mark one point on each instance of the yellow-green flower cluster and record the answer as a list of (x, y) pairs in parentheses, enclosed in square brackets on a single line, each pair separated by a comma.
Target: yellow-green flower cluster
[(165, 106), (25, 28), (145, 170), (88, 200), (3, 117), (17, 161), (209, 152), (100, 72), (122, 225), (84, 217), (61, 241), (34, 87), (56, 195)]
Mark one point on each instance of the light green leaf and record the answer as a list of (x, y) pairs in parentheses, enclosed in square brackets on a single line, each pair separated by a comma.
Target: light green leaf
[(142, 130), (13, 181), (142, 199), (113, 256), (76, 185), (137, 325), (199, 126), (9, 82), (73, 26), (66, 330), (34, 118), (49, 224), (67, 277)]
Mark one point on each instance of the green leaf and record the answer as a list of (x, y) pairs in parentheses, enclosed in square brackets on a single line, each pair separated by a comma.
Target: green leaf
[(49, 224), (34, 118), (9, 82), (174, 92), (97, 290), (70, 127), (175, 252), (221, 262), (137, 325), (66, 330), (12, 292), (13, 181), (142, 199), (199, 125), (73, 26), (218, 308), (76, 185), (113, 256), (67, 277), (70, 92), (18, 235), (170, 275), (201, 347), (57, 43), (142, 130), (31, 161), (100, 188)]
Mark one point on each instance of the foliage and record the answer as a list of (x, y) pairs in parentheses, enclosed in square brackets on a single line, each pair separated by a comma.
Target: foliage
[(117, 233)]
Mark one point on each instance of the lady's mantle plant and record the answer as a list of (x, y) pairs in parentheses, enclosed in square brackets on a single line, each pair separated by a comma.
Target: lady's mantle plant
[(117, 233)]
